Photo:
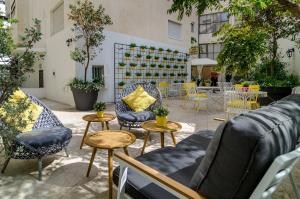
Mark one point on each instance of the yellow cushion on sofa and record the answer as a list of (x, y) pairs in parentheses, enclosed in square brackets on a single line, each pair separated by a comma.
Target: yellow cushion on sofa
[(30, 115), (139, 100)]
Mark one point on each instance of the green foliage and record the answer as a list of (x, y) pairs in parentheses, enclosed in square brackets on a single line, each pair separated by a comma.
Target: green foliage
[(161, 111), (152, 48), (160, 66), (143, 47), (169, 50), (243, 47), (99, 106), (156, 74), (153, 82), (133, 65), (152, 65), (132, 45), (121, 83), (87, 86), (148, 74), (127, 54), (144, 65), (148, 57), (168, 66), (160, 49), (122, 64), (138, 55), (128, 74), (88, 25), (156, 57), (138, 74)]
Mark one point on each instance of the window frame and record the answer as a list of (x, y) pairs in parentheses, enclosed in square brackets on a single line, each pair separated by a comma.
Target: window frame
[(180, 29), (213, 24), (52, 31), (210, 54)]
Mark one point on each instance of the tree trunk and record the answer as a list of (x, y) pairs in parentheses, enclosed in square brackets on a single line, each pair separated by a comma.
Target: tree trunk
[(273, 54)]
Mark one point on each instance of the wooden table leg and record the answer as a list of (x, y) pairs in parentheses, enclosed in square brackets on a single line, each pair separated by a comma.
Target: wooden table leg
[(85, 132), (162, 140), (102, 124), (126, 151), (91, 162), (173, 138), (107, 125), (145, 142), (110, 170)]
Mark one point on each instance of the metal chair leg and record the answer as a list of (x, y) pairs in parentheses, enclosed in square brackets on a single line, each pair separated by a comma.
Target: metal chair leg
[(121, 127), (40, 168), (5, 165), (66, 151), (295, 188)]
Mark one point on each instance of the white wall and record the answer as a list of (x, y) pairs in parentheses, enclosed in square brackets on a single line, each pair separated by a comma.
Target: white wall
[(106, 58)]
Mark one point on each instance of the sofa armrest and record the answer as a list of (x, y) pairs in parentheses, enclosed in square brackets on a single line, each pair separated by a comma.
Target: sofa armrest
[(153, 176)]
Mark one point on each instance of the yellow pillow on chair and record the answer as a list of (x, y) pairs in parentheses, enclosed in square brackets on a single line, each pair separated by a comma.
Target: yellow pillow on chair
[(30, 115), (139, 100)]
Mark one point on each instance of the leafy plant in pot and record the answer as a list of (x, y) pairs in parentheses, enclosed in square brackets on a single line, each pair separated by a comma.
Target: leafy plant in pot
[(161, 114), (88, 25), (99, 107), (245, 86)]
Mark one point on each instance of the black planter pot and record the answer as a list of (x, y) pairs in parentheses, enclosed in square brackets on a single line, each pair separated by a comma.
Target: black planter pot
[(274, 94), (84, 101)]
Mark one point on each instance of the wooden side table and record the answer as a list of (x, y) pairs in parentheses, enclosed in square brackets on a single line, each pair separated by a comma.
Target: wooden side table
[(151, 126), (94, 118), (109, 140)]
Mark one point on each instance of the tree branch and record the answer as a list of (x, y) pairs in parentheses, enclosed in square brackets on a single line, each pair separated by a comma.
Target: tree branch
[(294, 8)]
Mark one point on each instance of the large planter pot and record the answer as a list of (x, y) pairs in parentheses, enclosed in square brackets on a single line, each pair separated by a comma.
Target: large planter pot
[(84, 101), (161, 121), (274, 94)]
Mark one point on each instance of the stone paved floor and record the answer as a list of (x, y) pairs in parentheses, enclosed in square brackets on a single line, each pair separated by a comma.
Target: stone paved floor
[(64, 177)]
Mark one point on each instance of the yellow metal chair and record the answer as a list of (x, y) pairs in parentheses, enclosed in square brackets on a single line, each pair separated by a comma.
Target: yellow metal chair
[(238, 87), (164, 89), (192, 94)]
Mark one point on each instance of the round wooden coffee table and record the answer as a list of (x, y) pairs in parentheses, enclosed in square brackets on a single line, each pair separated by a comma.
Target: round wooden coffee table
[(151, 126), (94, 118), (109, 140)]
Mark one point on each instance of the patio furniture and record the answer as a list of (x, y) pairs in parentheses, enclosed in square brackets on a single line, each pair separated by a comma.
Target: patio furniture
[(126, 116), (227, 163), (193, 95), (109, 140), (151, 126), (94, 118), (48, 136)]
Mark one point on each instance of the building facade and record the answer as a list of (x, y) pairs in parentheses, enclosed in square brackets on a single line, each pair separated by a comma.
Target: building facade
[(142, 22)]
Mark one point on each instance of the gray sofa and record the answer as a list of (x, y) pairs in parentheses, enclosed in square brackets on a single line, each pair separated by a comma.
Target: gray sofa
[(227, 163)]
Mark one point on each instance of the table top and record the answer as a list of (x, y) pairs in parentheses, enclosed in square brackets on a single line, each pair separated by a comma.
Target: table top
[(152, 126), (110, 139), (260, 93), (94, 118)]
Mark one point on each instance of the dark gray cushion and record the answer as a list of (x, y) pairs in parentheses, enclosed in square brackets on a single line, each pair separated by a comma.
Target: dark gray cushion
[(136, 116), (244, 148), (42, 140), (178, 163)]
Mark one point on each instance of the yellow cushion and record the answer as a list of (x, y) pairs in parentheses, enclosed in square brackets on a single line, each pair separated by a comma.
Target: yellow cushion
[(240, 104), (30, 115), (139, 100)]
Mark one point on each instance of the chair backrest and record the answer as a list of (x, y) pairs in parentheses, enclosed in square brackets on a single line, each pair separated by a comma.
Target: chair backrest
[(148, 87), (163, 85), (238, 87), (190, 89), (244, 147), (255, 87), (279, 169)]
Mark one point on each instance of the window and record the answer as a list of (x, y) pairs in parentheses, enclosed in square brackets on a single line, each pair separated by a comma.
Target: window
[(98, 72), (41, 79), (210, 51), (211, 23), (192, 27), (57, 19), (174, 30)]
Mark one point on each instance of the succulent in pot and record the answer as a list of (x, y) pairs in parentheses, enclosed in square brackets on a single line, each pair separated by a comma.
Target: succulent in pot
[(121, 84), (132, 66), (152, 65), (99, 107), (138, 75), (132, 46), (161, 114), (122, 64), (143, 66), (245, 86), (143, 48)]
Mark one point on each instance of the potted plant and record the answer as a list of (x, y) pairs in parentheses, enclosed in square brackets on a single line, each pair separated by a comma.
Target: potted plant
[(176, 52), (160, 50), (168, 67), (245, 86), (127, 56), (132, 66), (148, 57), (179, 74), (165, 59), (182, 81), (138, 57), (148, 74), (152, 49), (121, 84), (83, 12), (153, 82), (185, 61), (152, 65), (175, 81), (182, 66), (160, 66), (99, 107), (122, 64), (172, 59), (175, 66), (128, 74), (172, 74), (132, 46), (161, 114), (169, 51), (179, 60), (143, 66), (143, 48), (164, 74), (156, 75), (138, 75), (156, 58)]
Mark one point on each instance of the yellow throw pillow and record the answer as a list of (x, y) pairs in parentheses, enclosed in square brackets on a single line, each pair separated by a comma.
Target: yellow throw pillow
[(139, 100), (30, 115)]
